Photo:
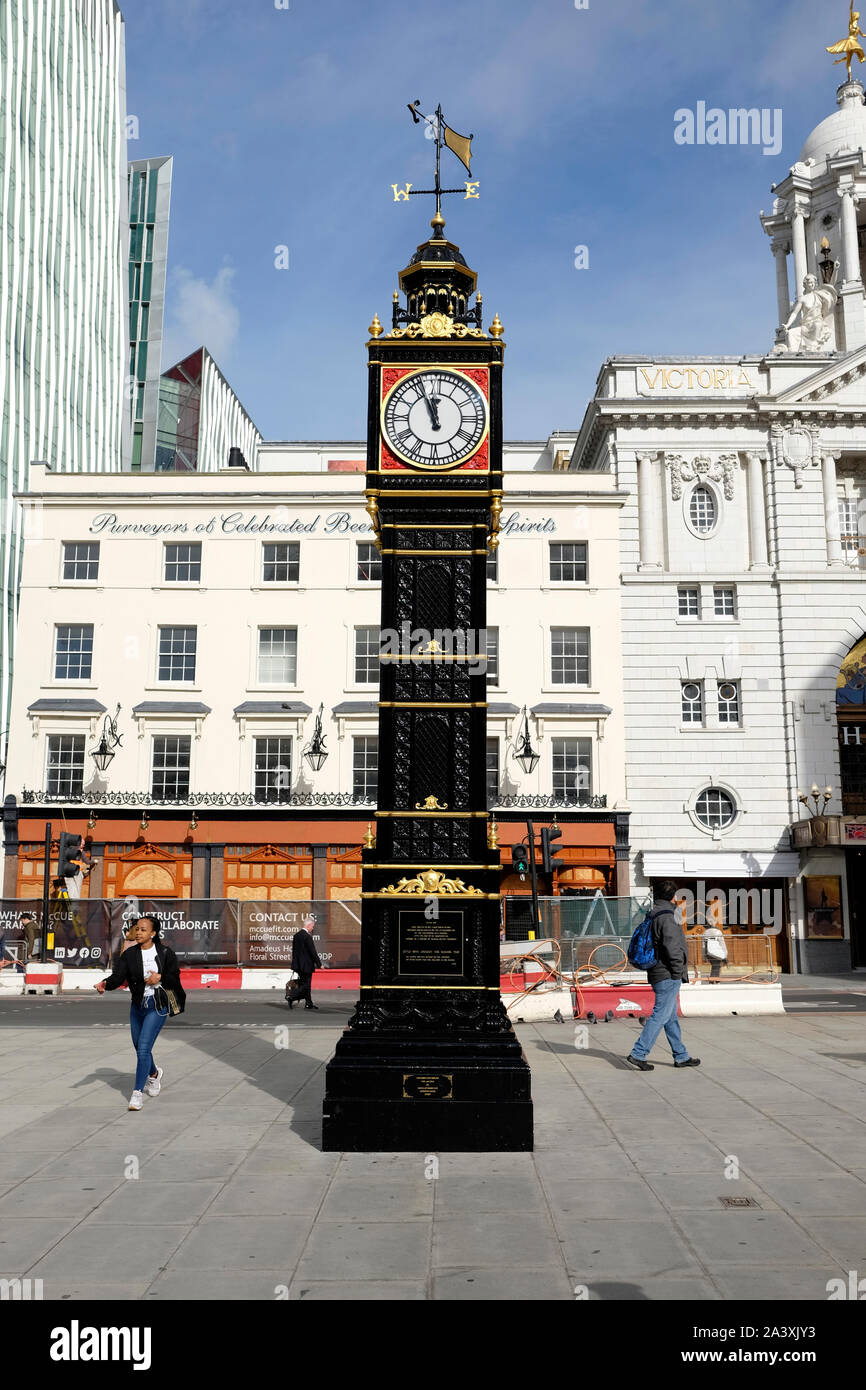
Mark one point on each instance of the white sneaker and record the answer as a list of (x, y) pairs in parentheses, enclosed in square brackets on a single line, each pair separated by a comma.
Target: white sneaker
[(152, 1086), (136, 1101)]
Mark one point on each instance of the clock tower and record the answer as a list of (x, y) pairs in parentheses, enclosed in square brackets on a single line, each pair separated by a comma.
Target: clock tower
[(430, 1060)]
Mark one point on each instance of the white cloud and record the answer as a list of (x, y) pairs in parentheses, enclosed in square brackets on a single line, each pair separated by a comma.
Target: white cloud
[(200, 313)]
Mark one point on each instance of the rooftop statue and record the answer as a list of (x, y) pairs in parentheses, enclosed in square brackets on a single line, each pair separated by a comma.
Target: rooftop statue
[(850, 46)]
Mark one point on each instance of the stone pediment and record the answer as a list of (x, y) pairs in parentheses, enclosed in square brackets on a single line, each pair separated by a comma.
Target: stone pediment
[(841, 382)]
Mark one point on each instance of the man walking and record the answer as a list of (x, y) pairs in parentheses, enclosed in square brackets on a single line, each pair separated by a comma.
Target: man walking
[(666, 976), (305, 960)]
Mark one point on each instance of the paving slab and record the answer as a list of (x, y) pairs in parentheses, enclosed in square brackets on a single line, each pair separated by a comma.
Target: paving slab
[(244, 1243), (519, 1285), (271, 1195), (108, 1255), (361, 1250), (514, 1240), (593, 1248)]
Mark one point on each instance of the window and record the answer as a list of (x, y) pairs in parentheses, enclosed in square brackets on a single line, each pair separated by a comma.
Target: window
[(729, 702), (702, 510), (366, 656), (689, 603), (273, 769), (365, 768), (183, 562), (692, 693), (568, 562), (492, 655), (73, 653), (849, 527), (171, 760), (281, 562), (572, 769), (715, 809), (493, 567), (177, 654), (569, 655), (369, 563), (64, 768), (278, 655), (81, 560), (725, 603), (492, 771)]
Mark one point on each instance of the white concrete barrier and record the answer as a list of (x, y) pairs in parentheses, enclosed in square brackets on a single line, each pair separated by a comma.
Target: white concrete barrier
[(11, 981), (721, 1000), (538, 1004), (269, 979), (82, 979)]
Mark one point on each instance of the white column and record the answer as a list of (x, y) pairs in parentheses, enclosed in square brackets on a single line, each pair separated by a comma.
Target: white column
[(757, 514), (650, 514), (831, 512), (850, 252), (780, 251), (798, 240)]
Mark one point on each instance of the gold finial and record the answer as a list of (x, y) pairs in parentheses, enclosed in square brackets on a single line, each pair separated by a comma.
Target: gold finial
[(850, 48), (496, 329), (375, 330), (437, 222), (493, 835), (396, 296), (478, 297), (369, 842)]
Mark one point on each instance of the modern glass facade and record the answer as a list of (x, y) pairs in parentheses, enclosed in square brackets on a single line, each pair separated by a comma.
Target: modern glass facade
[(201, 419), (63, 300), (149, 207)]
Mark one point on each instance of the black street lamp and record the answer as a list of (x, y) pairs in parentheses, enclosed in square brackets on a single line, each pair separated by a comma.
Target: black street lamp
[(104, 753), (315, 751), (524, 752)]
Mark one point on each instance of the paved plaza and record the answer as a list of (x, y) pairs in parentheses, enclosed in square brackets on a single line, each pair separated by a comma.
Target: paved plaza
[(622, 1198)]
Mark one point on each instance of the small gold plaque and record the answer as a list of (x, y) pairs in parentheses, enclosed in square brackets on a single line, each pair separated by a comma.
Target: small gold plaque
[(428, 1086)]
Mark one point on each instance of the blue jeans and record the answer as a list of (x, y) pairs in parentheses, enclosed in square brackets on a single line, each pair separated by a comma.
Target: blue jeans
[(144, 1024), (664, 1015)]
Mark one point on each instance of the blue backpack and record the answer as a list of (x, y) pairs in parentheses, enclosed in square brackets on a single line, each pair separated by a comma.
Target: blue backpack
[(641, 949)]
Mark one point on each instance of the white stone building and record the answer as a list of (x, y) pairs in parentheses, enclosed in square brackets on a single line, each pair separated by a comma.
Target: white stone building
[(742, 580), (221, 611)]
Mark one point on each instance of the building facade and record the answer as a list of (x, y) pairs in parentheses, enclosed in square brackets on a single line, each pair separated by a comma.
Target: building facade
[(149, 209), (201, 419), (63, 234), (223, 617), (742, 600)]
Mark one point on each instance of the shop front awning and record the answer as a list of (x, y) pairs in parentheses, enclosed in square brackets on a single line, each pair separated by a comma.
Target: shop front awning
[(733, 864)]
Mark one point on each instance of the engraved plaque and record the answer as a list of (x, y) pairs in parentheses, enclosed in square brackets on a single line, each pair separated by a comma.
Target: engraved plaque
[(430, 946), (428, 1086)]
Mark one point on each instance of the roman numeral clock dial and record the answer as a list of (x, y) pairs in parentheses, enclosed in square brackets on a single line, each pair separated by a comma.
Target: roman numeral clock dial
[(434, 419)]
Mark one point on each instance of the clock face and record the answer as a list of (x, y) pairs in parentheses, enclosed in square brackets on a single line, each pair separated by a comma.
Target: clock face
[(434, 418)]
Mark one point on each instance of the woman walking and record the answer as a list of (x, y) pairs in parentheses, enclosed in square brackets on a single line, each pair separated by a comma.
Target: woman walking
[(150, 969)]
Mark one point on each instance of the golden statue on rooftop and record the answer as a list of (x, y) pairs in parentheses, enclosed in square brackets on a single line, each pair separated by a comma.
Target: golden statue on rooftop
[(850, 46)]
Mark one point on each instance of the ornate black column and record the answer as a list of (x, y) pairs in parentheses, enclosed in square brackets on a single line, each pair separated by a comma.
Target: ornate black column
[(430, 1060)]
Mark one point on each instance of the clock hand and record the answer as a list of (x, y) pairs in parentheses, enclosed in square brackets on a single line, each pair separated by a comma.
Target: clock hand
[(431, 402)]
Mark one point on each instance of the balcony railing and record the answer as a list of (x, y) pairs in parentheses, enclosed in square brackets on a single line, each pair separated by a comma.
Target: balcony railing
[(193, 799)]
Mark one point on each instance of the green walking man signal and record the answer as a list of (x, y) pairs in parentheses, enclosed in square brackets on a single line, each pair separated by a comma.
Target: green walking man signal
[(519, 859)]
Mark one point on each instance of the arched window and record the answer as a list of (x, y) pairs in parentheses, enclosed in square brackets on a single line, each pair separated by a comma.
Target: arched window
[(702, 510)]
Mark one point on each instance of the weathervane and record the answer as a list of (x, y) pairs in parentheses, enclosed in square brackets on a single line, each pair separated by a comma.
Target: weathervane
[(850, 47), (460, 145)]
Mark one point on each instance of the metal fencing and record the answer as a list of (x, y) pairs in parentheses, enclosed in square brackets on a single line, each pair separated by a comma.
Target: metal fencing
[(595, 916)]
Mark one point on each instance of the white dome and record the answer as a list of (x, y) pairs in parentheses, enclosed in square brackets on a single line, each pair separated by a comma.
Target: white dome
[(844, 130)]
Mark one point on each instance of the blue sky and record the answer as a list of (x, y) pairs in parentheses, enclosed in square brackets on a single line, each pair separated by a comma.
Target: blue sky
[(289, 126)]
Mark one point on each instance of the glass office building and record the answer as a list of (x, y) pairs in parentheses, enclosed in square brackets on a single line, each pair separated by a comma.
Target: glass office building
[(149, 207), (63, 252), (201, 419)]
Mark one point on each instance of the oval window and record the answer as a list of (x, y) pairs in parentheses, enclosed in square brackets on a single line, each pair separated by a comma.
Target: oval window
[(702, 510)]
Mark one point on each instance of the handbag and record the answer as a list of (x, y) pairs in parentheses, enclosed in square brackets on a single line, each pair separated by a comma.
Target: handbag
[(174, 1002)]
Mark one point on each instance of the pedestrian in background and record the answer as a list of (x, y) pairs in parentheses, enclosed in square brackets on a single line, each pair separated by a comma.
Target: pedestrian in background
[(148, 968), (715, 950), (669, 972), (305, 961)]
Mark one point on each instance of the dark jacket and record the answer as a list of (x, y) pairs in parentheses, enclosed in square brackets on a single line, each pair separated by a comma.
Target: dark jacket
[(130, 971), (669, 940), (305, 957)]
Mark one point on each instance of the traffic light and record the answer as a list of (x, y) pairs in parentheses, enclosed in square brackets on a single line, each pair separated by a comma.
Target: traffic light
[(548, 859), (519, 859), (68, 855)]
